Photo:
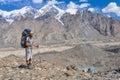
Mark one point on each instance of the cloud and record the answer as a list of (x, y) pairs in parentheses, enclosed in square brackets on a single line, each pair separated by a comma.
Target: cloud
[(2, 1), (94, 10), (72, 5), (49, 1), (91, 9), (84, 5), (108, 15), (83, 0), (72, 8), (71, 11), (52, 2), (112, 8), (37, 1)]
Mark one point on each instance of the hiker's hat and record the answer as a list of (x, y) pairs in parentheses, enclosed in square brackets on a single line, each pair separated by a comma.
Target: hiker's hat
[(31, 33)]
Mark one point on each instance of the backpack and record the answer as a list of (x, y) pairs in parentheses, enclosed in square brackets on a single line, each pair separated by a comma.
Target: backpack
[(25, 34)]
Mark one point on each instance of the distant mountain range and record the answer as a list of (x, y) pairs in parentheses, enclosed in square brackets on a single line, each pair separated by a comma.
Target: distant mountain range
[(54, 25), (28, 11)]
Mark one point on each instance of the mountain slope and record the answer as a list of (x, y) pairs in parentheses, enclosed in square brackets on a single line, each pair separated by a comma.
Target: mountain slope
[(56, 26)]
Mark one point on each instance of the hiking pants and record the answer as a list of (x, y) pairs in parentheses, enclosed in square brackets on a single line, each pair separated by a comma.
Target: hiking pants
[(29, 54)]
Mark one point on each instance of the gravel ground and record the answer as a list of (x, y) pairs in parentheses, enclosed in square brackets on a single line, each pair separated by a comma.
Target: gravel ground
[(83, 62)]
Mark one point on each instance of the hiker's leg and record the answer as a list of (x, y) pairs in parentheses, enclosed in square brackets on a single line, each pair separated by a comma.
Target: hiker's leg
[(27, 62), (27, 56), (30, 59)]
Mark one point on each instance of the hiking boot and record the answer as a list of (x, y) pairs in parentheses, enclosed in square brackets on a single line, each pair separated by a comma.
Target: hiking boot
[(29, 66)]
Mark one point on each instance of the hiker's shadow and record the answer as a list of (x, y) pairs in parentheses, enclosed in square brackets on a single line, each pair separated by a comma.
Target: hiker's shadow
[(22, 66)]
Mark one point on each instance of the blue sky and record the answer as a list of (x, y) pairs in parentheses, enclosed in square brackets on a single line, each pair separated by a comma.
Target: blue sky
[(106, 7)]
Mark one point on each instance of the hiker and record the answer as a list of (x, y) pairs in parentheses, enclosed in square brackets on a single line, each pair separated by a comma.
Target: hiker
[(29, 46)]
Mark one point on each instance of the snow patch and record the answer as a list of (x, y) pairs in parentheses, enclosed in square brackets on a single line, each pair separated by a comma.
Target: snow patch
[(10, 21)]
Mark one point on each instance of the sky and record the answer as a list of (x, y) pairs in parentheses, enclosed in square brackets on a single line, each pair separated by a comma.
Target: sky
[(105, 7)]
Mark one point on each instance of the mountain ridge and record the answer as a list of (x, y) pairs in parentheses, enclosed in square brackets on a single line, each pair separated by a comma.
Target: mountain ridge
[(29, 11), (55, 26)]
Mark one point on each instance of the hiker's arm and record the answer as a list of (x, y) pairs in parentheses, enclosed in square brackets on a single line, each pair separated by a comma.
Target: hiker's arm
[(35, 45)]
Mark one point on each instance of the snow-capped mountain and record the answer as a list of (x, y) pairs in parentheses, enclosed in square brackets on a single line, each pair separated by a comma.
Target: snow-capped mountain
[(47, 8), (28, 11), (52, 24)]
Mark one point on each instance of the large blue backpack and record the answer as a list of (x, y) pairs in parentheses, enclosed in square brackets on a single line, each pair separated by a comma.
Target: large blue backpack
[(25, 34)]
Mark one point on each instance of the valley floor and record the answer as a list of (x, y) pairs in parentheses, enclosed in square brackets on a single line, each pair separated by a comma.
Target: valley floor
[(52, 62), (44, 48)]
